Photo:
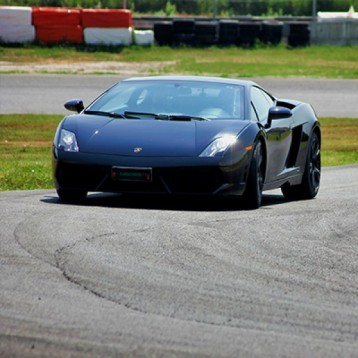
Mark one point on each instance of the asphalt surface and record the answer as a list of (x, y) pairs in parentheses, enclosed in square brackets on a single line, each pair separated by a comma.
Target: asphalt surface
[(47, 93), (155, 278)]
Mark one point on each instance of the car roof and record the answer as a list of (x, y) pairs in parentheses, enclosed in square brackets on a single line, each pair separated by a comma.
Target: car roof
[(234, 81)]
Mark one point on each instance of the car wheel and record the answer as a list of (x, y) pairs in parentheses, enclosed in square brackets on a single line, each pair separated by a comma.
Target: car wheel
[(308, 189), (253, 193), (71, 196)]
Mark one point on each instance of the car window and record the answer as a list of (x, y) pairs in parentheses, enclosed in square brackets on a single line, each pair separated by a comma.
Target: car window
[(204, 99), (261, 103)]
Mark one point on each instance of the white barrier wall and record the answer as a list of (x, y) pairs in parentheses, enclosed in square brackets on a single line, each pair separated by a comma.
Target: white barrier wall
[(16, 24), (108, 36), (144, 37)]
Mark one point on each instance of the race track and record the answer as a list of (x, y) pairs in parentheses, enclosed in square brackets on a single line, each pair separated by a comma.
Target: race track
[(168, 278), (31, 93)]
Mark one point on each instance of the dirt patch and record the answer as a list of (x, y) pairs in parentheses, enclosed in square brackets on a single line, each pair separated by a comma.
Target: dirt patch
[(122, 68)]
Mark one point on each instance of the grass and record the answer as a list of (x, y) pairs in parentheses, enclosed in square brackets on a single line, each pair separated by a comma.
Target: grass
[(313, 61), (25, 151), (25, 148)]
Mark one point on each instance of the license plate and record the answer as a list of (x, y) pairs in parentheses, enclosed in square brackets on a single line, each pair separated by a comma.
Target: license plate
[(132, 174)]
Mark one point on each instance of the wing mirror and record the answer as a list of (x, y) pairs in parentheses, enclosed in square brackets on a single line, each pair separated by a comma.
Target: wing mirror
[(277, 113), (75, 105)]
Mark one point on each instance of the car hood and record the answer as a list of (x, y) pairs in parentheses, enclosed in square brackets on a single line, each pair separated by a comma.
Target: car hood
[(147, 137)]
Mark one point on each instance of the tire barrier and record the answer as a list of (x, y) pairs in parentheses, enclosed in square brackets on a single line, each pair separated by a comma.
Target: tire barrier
[(206, 33), (228, 32), (225, 33), (163, 33), (184, 32), (271, 32), (299, 34), (16, 24), (248, 33), (115, 27)]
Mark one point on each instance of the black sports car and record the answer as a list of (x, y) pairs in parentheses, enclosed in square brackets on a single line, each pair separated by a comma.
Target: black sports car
[(188, 135)]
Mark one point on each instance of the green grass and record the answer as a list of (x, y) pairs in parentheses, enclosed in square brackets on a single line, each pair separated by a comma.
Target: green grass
[(25, 148), (25, 151), (313, 61), (340, 141)]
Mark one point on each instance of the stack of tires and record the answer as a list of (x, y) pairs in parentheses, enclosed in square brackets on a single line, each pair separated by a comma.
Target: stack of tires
[(163, 33), (107, 27), (16, 24), (249, 33), (206, 33), (184, 32), (299, 34), (57, 25), (223, 33), (271, 32), (228, 32)]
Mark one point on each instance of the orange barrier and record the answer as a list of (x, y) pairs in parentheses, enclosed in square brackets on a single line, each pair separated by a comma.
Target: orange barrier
[(106, 18), (59, 34), (55, 16)]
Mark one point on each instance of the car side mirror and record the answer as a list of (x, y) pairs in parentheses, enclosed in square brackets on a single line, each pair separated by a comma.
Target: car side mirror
[(277, 113), (74, 105)]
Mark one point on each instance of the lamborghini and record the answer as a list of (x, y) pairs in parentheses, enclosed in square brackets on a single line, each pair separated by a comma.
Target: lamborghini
[(188, 135)]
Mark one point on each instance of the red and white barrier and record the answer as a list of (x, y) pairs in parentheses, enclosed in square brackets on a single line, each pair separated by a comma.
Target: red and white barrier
[(107, 27), (51, 25)]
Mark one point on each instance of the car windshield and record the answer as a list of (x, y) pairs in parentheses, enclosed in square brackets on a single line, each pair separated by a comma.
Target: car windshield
[(209, 100)]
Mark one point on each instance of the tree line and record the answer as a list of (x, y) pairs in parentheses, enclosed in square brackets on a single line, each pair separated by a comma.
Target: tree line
[(201, 7)]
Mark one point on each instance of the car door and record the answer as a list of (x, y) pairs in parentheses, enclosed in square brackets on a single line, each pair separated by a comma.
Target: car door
[(279, 134)]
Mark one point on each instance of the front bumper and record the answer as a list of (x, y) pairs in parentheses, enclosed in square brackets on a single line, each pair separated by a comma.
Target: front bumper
[(204, 176)]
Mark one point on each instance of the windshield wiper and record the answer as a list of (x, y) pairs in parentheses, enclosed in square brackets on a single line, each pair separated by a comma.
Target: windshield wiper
[(181, 117), (167, 117), (107, 114), (138, 115)]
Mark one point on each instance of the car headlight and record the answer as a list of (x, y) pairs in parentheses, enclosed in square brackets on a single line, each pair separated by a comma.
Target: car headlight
[(219, 146), (67, 141)]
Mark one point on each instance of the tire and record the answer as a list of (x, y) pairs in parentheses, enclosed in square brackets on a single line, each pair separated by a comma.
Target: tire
[(163, 33), (206, 33), (309, 187), (71, 196), (271, 33), (298, 40), (249, 33), (299, 35), (184, 32), (228, 32), (253, 193)]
